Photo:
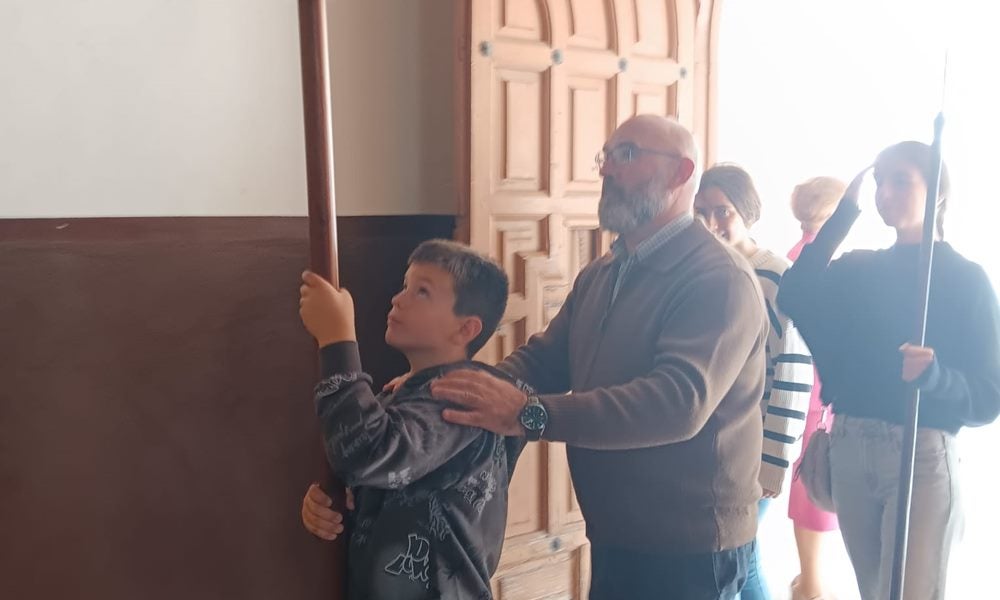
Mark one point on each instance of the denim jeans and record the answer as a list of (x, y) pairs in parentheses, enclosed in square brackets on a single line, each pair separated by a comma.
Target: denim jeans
[(619, 574), (864, 465), (756, 586)]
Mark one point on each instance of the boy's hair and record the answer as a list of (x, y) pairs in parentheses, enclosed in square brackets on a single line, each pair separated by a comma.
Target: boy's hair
[(480, 284)]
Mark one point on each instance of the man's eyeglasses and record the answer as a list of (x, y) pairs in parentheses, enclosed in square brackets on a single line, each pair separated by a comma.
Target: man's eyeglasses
[(622, 154)]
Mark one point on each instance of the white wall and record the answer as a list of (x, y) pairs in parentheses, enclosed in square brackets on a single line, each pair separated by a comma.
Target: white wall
[(814, 87), (818, 87), (193, 107), (393, 62)]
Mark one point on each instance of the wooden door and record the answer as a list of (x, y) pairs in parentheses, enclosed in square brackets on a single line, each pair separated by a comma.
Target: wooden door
[(545, 83)]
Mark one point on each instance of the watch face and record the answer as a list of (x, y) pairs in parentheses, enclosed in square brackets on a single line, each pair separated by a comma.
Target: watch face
[(533, 417)]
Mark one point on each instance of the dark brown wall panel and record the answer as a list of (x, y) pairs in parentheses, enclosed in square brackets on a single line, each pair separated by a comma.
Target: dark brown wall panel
[(156, 424)]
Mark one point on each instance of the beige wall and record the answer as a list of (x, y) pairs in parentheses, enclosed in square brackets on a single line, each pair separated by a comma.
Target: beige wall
[(193, 107), (393, 61)]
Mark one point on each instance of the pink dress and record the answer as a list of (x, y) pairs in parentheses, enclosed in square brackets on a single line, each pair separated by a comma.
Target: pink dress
[(801, 511)]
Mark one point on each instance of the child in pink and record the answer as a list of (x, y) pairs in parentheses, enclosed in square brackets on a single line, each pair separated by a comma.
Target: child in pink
[(812, 203), (800, 510)]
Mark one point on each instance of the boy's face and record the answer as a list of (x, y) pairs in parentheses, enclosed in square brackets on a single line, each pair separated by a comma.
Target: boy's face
[(423, 319)]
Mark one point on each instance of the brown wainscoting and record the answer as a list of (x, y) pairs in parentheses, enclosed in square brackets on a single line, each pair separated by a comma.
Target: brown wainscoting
[(373, 254), (156, 421)]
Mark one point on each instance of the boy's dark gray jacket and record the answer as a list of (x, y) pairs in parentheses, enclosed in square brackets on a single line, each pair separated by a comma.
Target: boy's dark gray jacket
[(431, 497)]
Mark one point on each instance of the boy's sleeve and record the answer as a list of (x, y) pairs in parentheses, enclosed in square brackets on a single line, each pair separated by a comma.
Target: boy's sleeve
[(513, 445), (371, 445)]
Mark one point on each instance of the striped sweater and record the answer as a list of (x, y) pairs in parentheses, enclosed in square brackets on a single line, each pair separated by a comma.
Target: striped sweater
[(789, 379)]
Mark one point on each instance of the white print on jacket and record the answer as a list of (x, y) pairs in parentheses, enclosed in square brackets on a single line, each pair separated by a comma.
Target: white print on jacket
[(415, 562)]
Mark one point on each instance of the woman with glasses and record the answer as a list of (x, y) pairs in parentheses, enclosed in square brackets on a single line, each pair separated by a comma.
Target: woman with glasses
[(728, 203)]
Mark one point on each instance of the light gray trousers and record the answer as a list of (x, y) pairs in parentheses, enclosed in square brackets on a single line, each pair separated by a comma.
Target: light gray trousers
[(864, 463)]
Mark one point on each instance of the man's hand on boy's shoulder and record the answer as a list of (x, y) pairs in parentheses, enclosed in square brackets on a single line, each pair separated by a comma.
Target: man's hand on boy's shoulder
[(317, 516), (327, 313), (485, 401)]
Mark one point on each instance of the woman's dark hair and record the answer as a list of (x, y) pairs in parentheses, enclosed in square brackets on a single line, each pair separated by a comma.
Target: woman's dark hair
[(737, 185)]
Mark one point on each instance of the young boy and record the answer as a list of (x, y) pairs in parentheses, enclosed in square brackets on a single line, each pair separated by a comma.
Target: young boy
[(430, 496)]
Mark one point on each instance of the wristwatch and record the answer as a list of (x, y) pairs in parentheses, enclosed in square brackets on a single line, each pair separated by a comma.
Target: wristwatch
[(534, 418)]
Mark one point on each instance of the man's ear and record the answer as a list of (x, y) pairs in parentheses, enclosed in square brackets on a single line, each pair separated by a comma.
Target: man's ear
[(470, 329), (684, 172)]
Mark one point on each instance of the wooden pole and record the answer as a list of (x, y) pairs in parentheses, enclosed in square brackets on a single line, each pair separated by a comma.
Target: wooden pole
[(905, 493), (319, 139), (313, 45)]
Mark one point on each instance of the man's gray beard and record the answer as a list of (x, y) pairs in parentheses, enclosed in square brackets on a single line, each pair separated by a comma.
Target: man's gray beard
[(623, 214)]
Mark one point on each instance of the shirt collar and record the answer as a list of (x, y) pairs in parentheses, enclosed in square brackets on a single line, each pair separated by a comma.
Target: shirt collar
[(653, 243)]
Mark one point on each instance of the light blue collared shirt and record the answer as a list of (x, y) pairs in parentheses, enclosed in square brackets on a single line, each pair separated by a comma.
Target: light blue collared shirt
[(645, 248)]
